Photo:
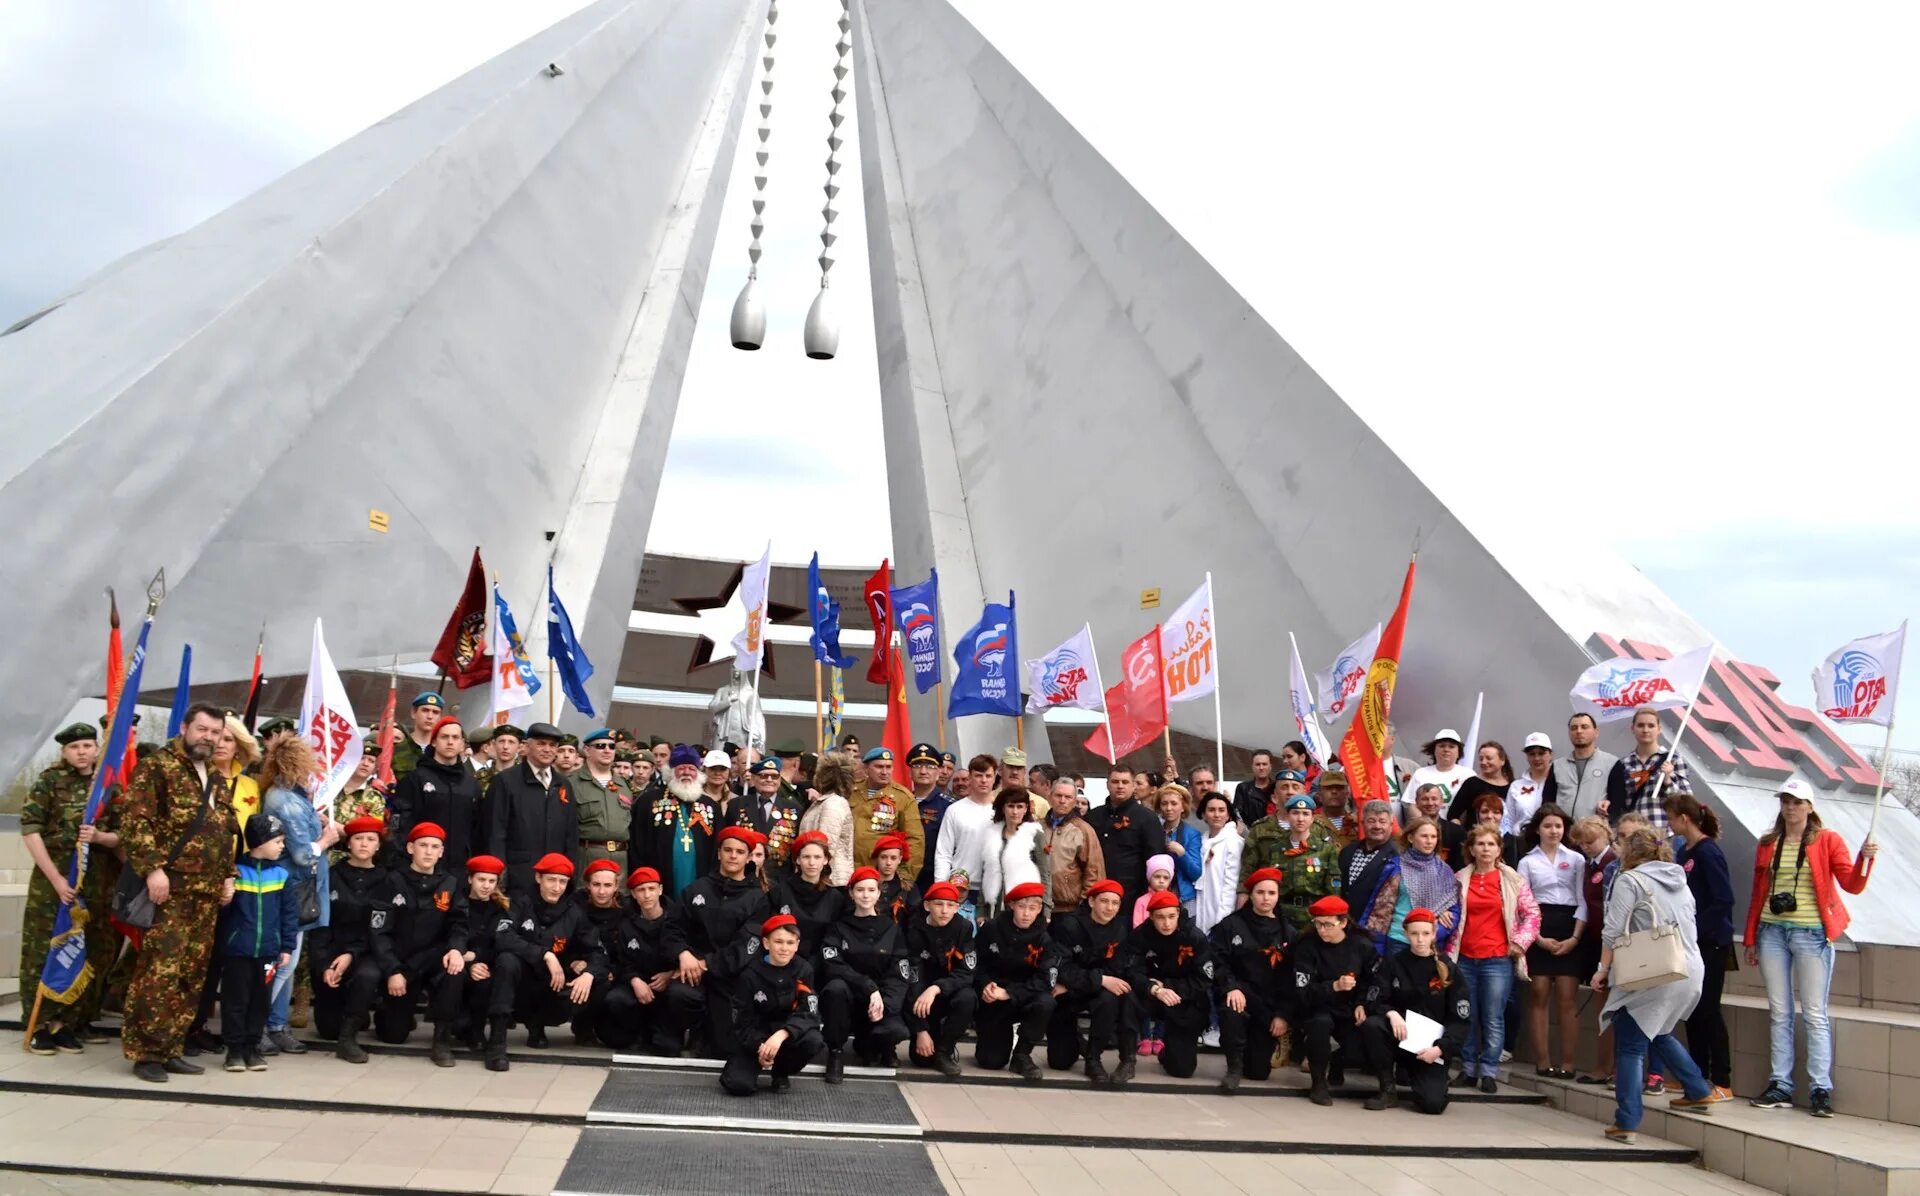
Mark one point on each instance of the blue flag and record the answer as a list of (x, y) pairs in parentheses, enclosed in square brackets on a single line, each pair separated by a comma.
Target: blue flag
[(826, 621), (177, 717), (512, 632), (569, 662), (917, 610), (984, 680)]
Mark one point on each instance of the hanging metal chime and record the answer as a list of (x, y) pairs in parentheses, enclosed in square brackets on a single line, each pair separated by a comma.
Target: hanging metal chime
[(748, 327), (822, 335)]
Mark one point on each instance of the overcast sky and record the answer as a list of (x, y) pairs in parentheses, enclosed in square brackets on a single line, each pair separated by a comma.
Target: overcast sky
[(1649, 268)]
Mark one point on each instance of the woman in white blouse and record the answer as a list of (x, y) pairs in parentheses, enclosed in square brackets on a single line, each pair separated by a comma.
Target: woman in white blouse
[(1557, 875), (1214, 892), (1015, 855)]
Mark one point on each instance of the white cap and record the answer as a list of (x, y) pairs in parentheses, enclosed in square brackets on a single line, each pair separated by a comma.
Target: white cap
[(1796, 788), (1448, 733), (1538, 739), (717, 759)]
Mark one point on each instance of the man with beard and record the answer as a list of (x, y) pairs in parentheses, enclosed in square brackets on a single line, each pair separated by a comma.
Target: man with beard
[(411, 748), (674, 832), (441, 790), (721, 908), (530, 811)]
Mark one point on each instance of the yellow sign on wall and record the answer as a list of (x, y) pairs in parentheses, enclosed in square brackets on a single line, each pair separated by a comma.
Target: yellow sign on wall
[(1149, 598), (377, 521)]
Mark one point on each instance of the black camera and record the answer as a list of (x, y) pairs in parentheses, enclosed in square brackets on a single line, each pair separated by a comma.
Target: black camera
[(1782, 903)]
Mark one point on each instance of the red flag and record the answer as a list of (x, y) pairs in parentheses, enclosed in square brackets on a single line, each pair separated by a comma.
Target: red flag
[(116, 662), (462, 652), (253, 687), (898, 734), (383, 775), (1362, 747), (880, 610), (1137, 706)]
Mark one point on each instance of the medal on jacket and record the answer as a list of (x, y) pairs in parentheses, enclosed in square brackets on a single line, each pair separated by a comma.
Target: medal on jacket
[(882, 815)]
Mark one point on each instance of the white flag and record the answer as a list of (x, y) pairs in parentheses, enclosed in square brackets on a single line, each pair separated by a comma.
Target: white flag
[(752, 640), (1341, 683), (1304, 719), (1065, 678), (326, 717), (510, 668), (1186, 645), (1473, 732), (1859, 682), (1614, 689)]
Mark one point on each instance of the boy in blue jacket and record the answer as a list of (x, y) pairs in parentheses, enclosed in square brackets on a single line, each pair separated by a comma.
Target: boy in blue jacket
[(258, 932)]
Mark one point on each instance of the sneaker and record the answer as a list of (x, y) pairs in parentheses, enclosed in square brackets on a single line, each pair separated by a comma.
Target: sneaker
[(1777, 1096), (1506, 1056), (1654, 1086), (1623, 1137), (236, 1061), (1820, 1102), (92, 1034), (42, 1043), (283, 1043), (1210, 1039), (255, 1062), (68, 1042), (1720, 1095)]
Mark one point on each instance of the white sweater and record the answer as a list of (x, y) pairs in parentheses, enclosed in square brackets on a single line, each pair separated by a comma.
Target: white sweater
[(1219, 883), (1009, 861), (967, 829)]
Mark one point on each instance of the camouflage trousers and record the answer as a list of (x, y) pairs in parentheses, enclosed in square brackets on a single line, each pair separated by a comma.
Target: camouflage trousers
[(168, 976), (103, 945)]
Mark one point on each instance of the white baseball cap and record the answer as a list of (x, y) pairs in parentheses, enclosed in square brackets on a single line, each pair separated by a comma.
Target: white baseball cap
[(1796, 788), (1448, 733), (1539, 739), (717, 759)]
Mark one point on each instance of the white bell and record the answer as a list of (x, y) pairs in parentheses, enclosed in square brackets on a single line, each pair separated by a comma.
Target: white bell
[(823, 330), (748, 329)]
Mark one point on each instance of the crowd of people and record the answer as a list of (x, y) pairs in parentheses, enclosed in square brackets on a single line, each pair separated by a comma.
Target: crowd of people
[(773, 912)]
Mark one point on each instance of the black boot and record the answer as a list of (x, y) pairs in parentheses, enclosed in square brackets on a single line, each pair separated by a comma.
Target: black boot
[(442, 1053), (836, 1066), (497, 1043), (1097, 1071), (1319, 1093), (1386, 1098), (947, 1063), (536, 1036), (1236, 1066), (348, 1047), (1123, 1074), (1024, 1065)]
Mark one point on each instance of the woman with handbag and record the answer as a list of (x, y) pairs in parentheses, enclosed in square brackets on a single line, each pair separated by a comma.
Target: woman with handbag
[(284, 769), (1649, 940), (1795, 915), (1711, 884)]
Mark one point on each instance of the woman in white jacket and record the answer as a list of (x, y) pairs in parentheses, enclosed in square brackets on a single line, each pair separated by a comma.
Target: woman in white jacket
[(1214, 892), (828, 812), (1015, 856)]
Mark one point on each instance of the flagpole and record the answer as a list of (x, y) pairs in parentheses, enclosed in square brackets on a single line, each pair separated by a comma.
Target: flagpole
[(1106, 715), (1880, 784), (1660, 778), (939, 717), (819, 712), (1219, 735), (550, 683)]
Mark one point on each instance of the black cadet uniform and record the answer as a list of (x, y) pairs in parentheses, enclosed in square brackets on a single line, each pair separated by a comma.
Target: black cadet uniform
[(446, 795), (814, 908), (767, 999), (353, 894), (861, 956), (723, 920), (1182, 962), (640, 949), (900, 900), (412, 941), (606, 922), (1089, 953), (1326, 1016), (1130, 834), (1023, 963), (1250, 957), (488, 1003), (527, 821), (943, 958), (1411, 982), (563, 928)]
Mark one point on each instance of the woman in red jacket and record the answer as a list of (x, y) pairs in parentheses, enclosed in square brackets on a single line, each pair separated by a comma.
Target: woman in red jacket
[(1793, 917)]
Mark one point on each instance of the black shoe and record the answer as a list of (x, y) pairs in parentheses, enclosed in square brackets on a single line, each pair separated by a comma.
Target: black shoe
[(585, 1037), (92, 1034), (151, 1072), (1777, 1096), (348, 1047), (236, 1061), (42, 1042), (180, 1067), (1230, 1082), (203, 1043), (497, 1044), (442, 1051), (780, 1084), (1028, 1070), (256, 1061), (1336, 1077), (1123, 1074), (537, 1037), (1386, 1098), (947, 1064), (1489, 1085), (66, 1041), (1320, 1094), (836, 1067), (1464, 1081), (1097, 1071), (1820, 1102)]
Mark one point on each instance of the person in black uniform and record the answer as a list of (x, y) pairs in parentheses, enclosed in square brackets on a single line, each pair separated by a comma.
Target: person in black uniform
[(1336, 990), (1420, 980), (805, 893), (898, 899), (1171, 968), (421, 944), (1091, 944), (775, 1019), (1250, 976), (561, 965), (530, 811), (1015, 975), (486, 994), (865, 971), (722, 908), (940, 946), (605, 909), (350, 977), (647, 1004), (441, 789), (1130, 834)]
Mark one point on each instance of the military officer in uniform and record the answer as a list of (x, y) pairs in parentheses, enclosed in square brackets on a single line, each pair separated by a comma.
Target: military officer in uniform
[(52, 826), (1308, 863), (881, 807), (605, 805), (932, 798), (767, 809), (428, 709)]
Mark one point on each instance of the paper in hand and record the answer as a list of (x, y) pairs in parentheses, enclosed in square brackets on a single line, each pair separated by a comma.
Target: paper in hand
[(1422, 1032)]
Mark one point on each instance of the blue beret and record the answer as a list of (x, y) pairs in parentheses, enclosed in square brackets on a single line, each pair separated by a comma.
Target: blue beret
[(428, 699), (878, 753), (597, 734), (1288, 774), (1301, 801), (683, 753), (767, 764)]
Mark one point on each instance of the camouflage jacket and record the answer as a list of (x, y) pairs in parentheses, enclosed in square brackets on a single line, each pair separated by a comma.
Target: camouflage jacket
[(1316, 868), (162, 802), (56, 807)]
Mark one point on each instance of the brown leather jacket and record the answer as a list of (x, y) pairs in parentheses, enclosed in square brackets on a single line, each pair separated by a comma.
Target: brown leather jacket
[(1074, 860)]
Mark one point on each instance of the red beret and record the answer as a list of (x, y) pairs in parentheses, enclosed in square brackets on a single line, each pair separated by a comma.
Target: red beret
[(1032, 888), (642, 876), (1328, 907), (739, 833), (1106, 886), (1272, 874), (1419, 914), (777, 921), (860, 874), (1164, 899), (427, 830), (805, 837), (602, 866), (486, 863), (440, 724), (940, 890), (554, 863), (894, 842), (365, 825)]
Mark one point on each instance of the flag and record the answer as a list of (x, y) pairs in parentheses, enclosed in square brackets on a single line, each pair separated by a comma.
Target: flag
[(462, 651), (1473, 731), (116, 660), (514, 682), (570, 661), (1137, 704), (1305, 721), (1066, 677), (751, 644), (253, 687), (824, 613), (1859, 682), (880, 613), (1341, 681), (836, 706), (326, 718), (383, 774), (1186, 646), (67, 972), (898, 733), (1614, 689), (177, 716), (1363, 748), (982, 683), (917, 610)]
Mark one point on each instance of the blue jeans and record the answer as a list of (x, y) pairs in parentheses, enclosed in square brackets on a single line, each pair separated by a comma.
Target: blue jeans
[(1631, 1047), (1489, 983), (1796, 962), (282, 999)]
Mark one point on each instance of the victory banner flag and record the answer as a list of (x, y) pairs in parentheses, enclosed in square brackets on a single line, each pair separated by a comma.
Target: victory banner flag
[(897, 734), (326, 719), (751, 643), (514, 681), (917, 610), (879, 592), (462, 650), (1065, 678), (1614, 689), (1137, 704), (982, 683), (1340, 683), (824, 614), (1186, 647), (1859, 682), (1363, 748), (1305, 721)]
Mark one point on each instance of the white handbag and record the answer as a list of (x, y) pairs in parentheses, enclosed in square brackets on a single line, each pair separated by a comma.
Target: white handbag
[(1648, 958)]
